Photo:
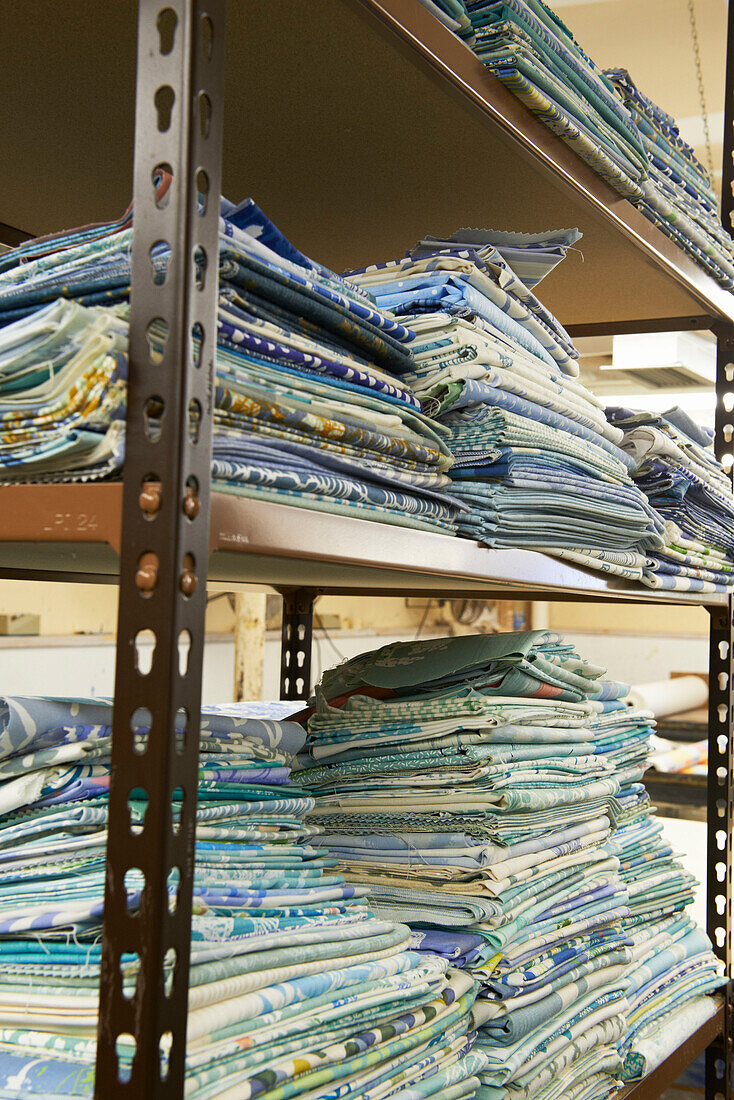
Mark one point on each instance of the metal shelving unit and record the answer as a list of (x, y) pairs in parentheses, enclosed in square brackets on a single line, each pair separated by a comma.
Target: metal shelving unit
[(678, 795), (297, 69), (76, 531)]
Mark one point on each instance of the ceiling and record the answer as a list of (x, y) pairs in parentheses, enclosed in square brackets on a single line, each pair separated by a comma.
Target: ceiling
[(654, 390)]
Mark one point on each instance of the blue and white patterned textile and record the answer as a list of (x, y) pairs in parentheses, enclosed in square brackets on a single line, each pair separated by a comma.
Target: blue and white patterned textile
[(487, 789), (296, 987), (676, 468), (625, 137), (310, 405), (536, 462)]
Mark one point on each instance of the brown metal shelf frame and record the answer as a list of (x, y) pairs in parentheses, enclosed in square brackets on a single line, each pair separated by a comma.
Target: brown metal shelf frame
[(164, 547), (164, 537), (74, 532)]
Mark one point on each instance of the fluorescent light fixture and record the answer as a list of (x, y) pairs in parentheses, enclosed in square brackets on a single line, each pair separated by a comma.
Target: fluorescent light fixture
[(689, 352)]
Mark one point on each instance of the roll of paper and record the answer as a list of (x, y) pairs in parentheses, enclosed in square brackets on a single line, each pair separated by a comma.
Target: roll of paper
[(665, 697)]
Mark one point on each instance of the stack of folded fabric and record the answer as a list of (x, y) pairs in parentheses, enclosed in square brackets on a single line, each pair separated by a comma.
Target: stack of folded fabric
[(458, 779), (486, 788), (535, 460), (453, 14), (678, 196), (677, 469), (672, 964), (628, 140), (310, 408), (295, 984), (534, 54)]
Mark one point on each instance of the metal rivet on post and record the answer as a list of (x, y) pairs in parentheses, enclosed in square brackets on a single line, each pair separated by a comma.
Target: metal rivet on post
[(146, 577)]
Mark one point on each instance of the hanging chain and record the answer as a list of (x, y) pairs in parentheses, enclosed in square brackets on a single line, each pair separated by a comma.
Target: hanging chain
[(701, 90)]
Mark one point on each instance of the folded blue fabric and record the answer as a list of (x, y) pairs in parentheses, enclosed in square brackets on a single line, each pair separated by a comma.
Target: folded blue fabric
[(307, 363), (488, 791)]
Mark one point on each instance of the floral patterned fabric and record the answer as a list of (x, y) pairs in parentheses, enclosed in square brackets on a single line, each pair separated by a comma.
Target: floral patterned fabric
[(310, 405)]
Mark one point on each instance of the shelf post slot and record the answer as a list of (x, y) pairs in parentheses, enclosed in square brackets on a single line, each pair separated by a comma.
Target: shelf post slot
[(149, 878), (296, 644)]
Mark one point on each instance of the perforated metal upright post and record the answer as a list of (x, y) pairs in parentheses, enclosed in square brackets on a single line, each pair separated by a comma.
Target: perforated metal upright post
[(165, 533), (719, 819), (720, 807), (727, 176), (296, 643)]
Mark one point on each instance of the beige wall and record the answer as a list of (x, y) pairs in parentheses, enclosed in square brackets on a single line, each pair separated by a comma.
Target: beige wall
[(92, 609), (79, 608), (609, 618), (386, 615)]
